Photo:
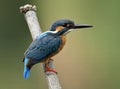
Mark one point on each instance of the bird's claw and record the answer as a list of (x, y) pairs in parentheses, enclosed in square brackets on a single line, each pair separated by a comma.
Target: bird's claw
[(51, 70), (48, 69)]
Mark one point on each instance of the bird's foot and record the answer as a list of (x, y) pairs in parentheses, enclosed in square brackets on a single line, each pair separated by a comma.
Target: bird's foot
[(48, 69)]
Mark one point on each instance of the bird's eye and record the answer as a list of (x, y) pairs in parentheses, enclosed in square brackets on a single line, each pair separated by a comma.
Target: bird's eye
[(67, 25), (64, 25)]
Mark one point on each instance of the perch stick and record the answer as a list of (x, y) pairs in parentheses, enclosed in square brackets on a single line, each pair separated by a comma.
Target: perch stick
[(29, 12)]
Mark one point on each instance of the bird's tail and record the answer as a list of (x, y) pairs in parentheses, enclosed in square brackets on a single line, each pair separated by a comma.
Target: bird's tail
[(26, 72)]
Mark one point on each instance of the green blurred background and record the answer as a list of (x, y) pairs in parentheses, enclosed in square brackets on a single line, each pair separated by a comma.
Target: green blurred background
[(91, 57)]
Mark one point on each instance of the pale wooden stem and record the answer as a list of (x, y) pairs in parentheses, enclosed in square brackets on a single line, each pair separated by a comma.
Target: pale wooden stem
[(34, 27)]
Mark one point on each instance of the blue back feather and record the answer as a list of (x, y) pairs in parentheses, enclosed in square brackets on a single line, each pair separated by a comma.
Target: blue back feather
[(44, 45)]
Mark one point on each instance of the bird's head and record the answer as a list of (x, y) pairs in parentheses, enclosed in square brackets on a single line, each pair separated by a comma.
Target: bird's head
[(65, 26)]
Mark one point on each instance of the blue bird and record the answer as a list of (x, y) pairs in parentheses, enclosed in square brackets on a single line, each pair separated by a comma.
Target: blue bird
[(48, 44)]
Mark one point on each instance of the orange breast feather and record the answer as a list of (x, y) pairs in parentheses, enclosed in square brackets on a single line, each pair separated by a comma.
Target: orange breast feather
[(63, 42)]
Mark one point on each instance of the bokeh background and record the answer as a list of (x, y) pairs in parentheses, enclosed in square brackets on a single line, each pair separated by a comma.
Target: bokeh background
[(91, 57)]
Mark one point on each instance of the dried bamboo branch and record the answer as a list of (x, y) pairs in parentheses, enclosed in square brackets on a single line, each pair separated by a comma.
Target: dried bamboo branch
[(29, 12)]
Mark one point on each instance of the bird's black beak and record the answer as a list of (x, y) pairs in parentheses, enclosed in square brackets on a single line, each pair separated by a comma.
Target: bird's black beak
[(82, 26), (77, 27)]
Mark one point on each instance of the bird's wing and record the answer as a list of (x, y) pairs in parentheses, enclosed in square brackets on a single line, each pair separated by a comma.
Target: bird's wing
[(43, 47)]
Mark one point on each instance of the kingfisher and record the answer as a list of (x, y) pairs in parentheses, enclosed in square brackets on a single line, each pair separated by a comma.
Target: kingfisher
[(48, 44)]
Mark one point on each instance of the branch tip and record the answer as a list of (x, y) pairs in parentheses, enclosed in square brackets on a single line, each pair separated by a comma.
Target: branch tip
[(27, 7)]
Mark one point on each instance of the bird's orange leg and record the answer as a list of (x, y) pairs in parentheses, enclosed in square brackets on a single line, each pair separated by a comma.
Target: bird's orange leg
[(48, 69)]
